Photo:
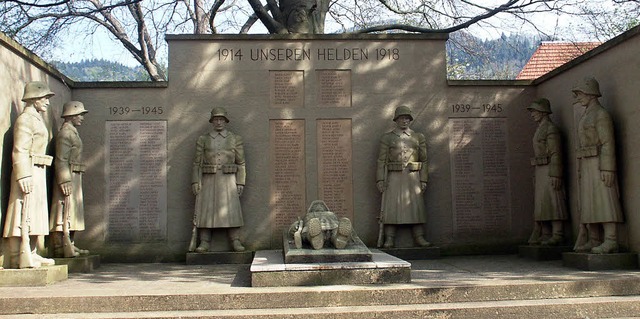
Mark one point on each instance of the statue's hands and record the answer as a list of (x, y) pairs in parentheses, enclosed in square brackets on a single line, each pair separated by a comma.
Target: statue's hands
[(66, 188), (423, 186), (556, 182), (26, 184), (380, 185), (195, 188), (240, 189), (608, 178)]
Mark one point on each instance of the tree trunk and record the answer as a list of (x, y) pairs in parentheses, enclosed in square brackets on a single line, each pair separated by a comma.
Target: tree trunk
[(304, 16)]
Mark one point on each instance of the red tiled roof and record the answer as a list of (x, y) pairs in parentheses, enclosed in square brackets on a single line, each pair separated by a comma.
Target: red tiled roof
[(551, 55)]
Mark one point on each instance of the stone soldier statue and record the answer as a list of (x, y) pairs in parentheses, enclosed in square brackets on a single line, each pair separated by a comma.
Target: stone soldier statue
[(67, 192), (550, 204), (218, 180), (402, 178), (319, 226), (28, 211), (599, 206)]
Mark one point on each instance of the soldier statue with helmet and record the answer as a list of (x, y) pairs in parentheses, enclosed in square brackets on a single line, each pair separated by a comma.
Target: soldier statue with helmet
[(67, 208), (28, 210), (599, 203), (549, 200), (401, 177), (218, 180)]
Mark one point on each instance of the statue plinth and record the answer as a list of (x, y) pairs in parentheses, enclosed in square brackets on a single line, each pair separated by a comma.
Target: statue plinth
[(355, 251)]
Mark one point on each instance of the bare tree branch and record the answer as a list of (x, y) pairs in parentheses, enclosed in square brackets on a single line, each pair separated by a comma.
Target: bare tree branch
[(269, 22)]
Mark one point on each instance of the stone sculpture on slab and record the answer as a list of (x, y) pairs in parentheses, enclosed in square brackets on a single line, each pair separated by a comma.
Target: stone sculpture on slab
[(550, 210), (599, 202), (67, 208), (402, 179), (28, 210), (218, 179), (320, 226)]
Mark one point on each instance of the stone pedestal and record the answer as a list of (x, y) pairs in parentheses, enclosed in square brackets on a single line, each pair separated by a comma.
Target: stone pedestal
[(414, 253), (42, 276), (220, 257), (587, 261), (80, 263), (269, 270), (356, 251), (543, 252)]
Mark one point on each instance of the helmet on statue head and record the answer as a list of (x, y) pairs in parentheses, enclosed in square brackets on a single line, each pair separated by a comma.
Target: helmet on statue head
[(72, 108), (541, 105), (588, 86), (219, 111), (402, 110), (36, 90)]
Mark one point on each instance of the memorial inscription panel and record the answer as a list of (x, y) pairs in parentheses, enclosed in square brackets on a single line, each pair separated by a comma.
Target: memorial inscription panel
[(480, 176), (286, 88), (335, 174), (287, 174), (136, 197), (334, 88)]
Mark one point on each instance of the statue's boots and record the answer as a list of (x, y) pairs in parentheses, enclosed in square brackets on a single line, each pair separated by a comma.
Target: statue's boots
[(57, 240), (14, 254), (57, 250), (557, 236), (610, 244), (534, 239), (594, 239), (237, 245), (607, 247), (80, 251), (343, 234), (205, 240), (314, 230), (234, 239), (41, 260), (418, 236), (389, 236)]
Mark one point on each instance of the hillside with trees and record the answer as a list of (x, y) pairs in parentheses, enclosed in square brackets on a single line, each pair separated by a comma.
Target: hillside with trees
[(100, 70), (471, 58)]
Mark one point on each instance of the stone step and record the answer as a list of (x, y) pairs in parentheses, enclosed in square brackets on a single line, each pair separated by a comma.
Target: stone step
[(593, 307), (355, 296)]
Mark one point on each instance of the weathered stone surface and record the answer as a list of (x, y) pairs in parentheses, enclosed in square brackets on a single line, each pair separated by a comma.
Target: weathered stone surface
[(414, 253), (269, 270), (80, 263), (222, 257), (542, 252), (33, 277), (600, 261), (356, 251)]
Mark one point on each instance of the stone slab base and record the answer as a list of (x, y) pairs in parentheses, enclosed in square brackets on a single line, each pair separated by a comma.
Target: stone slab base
[(543, 252), (33, 277), (356, 251), (269, 270), (586, 261), (80, 264), (220, 257), (414, 253)]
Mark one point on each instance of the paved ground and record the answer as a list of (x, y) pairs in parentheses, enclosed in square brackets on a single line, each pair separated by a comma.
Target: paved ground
[(151, 279)]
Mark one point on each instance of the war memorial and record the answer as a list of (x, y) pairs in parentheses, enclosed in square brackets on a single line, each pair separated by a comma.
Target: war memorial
[(317, 171)]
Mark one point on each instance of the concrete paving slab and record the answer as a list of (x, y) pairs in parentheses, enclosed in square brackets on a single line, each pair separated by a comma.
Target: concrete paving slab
[(171, 278)]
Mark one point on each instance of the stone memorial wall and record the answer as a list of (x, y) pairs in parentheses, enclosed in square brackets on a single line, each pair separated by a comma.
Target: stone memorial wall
[(479, 176), (136, 189), (311, 111)]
